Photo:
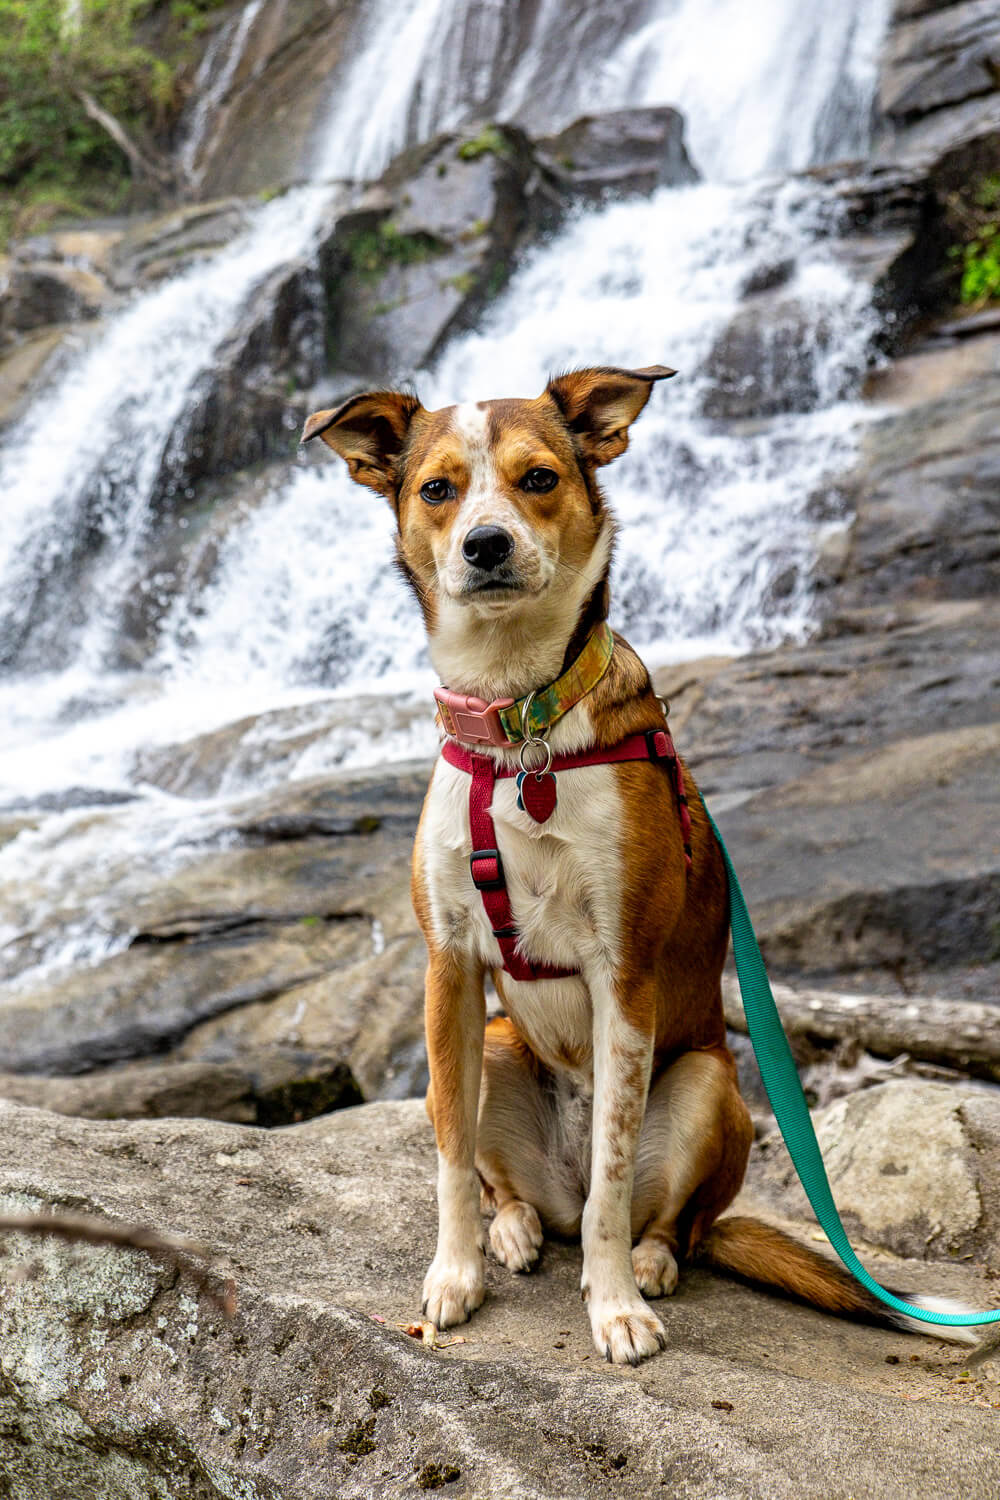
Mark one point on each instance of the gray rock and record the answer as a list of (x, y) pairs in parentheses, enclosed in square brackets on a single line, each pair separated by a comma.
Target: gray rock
[(89, 246), (927, 485), (764, 363), (869, 861), (118, 1380), (249, 406), (148, 997), (875, 893), (425, 251), (896, 240), (21, 367), (767, 277), (436, 239), (943, 56), (298, 933), (940, 79), (237, 754), (914, 1167), (263, 128), (369, 1010), (872, 676), (160, 245), (45, 292), (278, 1087), (620, 153)]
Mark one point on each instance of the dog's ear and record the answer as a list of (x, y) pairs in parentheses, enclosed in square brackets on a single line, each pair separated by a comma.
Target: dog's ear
[(599, 405), (369, 432)]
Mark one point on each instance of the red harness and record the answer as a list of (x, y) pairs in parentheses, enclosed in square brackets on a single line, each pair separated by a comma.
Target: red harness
[(485, 863)]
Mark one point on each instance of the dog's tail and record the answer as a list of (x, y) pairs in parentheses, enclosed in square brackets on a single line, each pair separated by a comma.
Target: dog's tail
[(757, 1252)]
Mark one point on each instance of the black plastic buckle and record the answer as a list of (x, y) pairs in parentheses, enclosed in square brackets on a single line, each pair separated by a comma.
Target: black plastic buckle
[(498, 883)]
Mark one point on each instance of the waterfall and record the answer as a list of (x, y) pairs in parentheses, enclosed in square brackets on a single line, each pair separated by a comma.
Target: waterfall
[(718, 532), (212, 81), (770, 86), (431, 65), (716, 538), (303, 607)]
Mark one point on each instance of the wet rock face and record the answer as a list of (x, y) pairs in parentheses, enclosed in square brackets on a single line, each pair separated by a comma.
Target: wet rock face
[(436, 240), (620, 152), (22, 367), (261, 127), (162, 245), (940, 83), (929, 521), (765, 362), (425, 251), (248, 407), (275, 110), (296, 937), (117, 1378), (46, 292)]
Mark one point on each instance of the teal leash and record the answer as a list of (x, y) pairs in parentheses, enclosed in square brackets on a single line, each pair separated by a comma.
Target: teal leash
[(781, 1079)]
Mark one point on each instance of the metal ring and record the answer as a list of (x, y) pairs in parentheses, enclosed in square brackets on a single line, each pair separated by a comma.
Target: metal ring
[(525, 711), (538, 771)]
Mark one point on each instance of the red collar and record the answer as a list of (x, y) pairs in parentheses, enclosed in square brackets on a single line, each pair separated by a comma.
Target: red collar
[(485, 862), (655, 744)]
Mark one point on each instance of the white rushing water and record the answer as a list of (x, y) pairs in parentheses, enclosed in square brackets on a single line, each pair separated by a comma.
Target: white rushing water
[(712, 520), (212, 83), (304, 608)]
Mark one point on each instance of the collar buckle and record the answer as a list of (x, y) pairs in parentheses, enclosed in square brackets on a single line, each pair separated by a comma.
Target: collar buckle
[(472, 719)]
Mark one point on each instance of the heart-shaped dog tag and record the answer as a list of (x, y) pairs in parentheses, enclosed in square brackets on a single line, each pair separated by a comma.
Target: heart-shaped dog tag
[(536, 795)]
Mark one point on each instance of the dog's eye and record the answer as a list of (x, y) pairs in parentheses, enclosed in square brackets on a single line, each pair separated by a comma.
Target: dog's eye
[(539, 481), (436, 490)]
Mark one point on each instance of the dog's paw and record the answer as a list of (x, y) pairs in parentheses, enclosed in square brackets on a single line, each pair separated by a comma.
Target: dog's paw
[(626, 1333), (453, 1290), (516, 1235), (655, 1269)]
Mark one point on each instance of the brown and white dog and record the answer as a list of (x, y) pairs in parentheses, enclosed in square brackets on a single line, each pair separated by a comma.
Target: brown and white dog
[(605, 1103)]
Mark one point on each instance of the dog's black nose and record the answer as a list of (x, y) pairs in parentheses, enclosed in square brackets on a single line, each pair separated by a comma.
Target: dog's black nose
[(487, 547)]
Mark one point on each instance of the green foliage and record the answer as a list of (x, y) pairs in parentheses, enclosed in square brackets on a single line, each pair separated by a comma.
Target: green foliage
[(47, 54), (497, 279), (372, 251), (54, 157), (193, 15), (489, 141), (981, 267), (987, 194), (475, 231), (974, 215)]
